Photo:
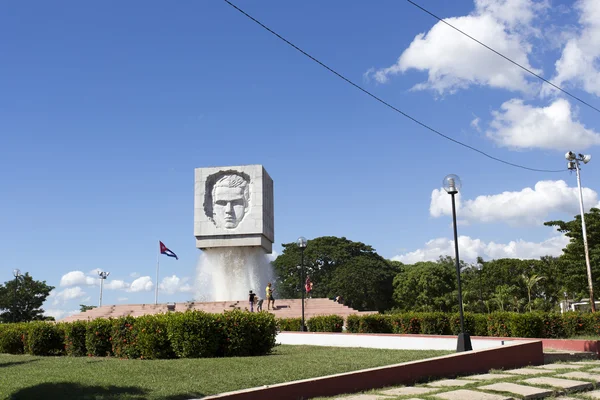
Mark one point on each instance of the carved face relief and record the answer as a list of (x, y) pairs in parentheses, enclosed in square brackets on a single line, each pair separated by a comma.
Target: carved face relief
[(230, 197), (229, 206)]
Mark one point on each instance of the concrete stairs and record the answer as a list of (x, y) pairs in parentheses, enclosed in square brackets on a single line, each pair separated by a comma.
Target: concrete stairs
[(284, 308)]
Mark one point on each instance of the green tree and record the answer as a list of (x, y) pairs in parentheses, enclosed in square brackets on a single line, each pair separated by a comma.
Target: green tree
[(21, 299), (503, 295), (84, 308), (530, 282), (426, 286), (574, 270), (332, 263)]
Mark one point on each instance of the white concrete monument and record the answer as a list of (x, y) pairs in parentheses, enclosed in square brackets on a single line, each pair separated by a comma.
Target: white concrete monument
[(233, 207)]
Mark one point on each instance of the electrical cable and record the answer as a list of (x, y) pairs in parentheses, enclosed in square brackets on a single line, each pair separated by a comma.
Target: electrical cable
[(381, 100)]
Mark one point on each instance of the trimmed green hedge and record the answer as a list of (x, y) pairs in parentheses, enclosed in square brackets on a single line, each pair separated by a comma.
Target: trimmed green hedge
[(499, 324), (325, 323), (190, 334), (75, 333), (44, 339), (289, 324), (12, 338)]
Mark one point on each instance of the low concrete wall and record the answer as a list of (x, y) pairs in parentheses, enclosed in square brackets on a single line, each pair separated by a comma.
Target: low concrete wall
[(424, 342), (387, 341), (512, 355)]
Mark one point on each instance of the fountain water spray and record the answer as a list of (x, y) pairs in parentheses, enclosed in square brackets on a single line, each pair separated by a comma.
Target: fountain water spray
[(228, 273)]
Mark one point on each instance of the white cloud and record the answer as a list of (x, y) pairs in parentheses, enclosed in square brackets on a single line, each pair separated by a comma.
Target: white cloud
[(68, 294), (475, 124), (141, 284), (580, 59), (454, 61), (469, 249), (554, 127), (115, 284), (58, 313), (74, 278), (134, 274), (122, 299), (173, 284), (526, 207)]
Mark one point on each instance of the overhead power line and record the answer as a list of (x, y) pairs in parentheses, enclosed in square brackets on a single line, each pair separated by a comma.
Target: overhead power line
[(383, 101), (503, 56)]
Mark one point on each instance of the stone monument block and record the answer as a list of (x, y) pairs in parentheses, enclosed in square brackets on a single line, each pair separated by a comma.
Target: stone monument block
[(233, 207)]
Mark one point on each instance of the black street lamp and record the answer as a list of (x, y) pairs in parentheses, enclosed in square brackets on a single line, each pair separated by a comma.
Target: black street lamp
[(17, 274), (302, 244), (452, 185)]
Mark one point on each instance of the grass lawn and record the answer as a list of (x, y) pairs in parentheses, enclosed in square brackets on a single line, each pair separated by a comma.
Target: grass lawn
[(28, 377)]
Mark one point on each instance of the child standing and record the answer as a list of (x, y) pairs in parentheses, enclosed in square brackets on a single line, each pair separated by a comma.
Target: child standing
[(251, 300)]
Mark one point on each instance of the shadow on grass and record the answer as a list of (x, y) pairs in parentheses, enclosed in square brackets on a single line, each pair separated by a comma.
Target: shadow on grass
[(69, 390), (13, 363)]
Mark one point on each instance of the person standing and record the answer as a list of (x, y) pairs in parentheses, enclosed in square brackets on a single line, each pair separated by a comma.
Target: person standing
[(251, 300), (270, 299), (308, 285)]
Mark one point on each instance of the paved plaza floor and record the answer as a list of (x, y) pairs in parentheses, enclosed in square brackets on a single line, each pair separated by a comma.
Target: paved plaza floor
[(561, 381)]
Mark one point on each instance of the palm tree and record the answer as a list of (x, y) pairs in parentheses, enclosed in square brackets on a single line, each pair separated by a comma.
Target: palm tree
[(530, 283)]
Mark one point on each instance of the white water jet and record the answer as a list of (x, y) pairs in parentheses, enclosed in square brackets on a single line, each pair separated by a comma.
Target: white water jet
[(228, 273)]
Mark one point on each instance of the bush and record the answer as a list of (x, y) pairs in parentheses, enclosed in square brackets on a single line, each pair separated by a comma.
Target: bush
[(499, 324), (434, 323), (74, 334), (480, 325), (574, 323), (152, 337), (124, 338), (194, 334), (98, 340), (529, 325), (375, 323), (289, 324), (326, 323), (352, 322), (408, 323), (12, 337), (44, 339), (553, 326), (469, 320), (246, 334)]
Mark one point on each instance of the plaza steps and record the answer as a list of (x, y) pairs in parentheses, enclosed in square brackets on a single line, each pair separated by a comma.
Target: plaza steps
[(284, 308)]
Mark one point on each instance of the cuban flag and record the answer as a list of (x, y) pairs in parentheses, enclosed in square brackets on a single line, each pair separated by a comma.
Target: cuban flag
[(166, 251)]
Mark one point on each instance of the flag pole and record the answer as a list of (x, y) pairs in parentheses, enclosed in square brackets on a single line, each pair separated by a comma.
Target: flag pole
[(157, 264)]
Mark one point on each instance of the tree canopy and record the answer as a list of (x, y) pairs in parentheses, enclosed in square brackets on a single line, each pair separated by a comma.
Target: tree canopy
[(338, 267), (21, 299), (573, 259)]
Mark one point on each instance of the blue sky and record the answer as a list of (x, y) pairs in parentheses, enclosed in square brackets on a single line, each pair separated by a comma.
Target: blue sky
[(107, 108)]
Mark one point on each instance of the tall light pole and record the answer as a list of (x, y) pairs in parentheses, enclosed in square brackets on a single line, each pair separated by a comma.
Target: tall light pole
[(452, 185), (302, 244), (17, 274), (103, 275), (573, 164)]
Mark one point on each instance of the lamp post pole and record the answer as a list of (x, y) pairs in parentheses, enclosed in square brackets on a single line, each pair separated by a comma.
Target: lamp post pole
[(16, 273), (103, 275), (574, 165), (302, 245), (452, 184)]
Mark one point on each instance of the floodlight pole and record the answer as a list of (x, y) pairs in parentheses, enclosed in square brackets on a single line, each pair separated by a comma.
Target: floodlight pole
[(585, 241), (103, 276)]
